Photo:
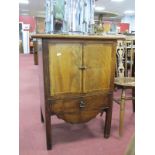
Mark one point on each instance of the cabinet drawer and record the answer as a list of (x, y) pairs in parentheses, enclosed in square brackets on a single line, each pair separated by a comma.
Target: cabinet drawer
[(80, 109)]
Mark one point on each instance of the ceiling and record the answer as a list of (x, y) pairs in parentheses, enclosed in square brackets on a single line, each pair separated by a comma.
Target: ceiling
[(36, 7)]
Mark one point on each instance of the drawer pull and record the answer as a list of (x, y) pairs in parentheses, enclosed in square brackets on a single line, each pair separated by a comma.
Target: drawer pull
[(82, 104)]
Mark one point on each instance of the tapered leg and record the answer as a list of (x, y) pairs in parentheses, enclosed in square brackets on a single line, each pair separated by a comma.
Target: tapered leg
[(48, 131), (41, 114), (133, 101), (122, 109), (108, 122)]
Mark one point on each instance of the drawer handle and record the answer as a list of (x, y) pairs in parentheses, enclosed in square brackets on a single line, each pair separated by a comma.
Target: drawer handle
[(82, 104)]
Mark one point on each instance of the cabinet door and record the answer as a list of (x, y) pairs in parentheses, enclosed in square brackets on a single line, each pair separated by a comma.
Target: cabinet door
[(64, 62), (98, 64)]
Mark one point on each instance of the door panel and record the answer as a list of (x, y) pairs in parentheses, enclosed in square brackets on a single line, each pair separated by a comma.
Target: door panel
[(64, 62), (97, 60)]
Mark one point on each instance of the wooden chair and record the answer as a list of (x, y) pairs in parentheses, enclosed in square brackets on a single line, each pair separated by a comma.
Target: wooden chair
[(125, 77)]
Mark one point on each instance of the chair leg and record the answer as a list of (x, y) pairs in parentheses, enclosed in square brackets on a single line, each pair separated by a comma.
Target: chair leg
[(122, 109), (133, 101)]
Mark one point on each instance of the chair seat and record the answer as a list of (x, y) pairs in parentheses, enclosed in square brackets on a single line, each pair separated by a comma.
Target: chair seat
[(125, 81)]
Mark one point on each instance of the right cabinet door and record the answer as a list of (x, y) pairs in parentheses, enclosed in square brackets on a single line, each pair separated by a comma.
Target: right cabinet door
[(97, 58)]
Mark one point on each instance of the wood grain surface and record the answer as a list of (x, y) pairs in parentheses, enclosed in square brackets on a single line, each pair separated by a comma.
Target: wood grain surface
[(97, 59), (64, 63), (71, 111)]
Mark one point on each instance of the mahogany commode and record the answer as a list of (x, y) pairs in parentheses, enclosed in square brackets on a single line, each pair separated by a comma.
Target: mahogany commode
[(76, 78)]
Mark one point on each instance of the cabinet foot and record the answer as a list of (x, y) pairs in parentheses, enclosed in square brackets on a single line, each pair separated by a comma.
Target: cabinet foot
[(107, 122), (48, 132), (41, 115), (133, 101)]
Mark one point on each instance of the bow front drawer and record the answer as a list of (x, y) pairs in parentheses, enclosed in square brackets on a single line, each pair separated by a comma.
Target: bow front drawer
[(79, 109)]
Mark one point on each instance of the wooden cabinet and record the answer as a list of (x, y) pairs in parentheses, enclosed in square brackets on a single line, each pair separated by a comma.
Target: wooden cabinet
[(76, 78)]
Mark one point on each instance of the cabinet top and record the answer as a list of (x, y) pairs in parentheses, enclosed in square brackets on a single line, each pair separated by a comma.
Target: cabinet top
[(85, 37)]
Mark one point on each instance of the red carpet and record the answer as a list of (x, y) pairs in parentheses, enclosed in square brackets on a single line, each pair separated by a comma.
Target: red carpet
[(83, 139)]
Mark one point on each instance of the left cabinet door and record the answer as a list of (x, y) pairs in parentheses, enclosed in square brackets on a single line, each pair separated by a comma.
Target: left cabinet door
[(64, 62)]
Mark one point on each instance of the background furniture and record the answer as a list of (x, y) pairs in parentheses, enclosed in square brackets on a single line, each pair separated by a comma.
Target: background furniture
[(124, 83), (129, 47), (120, 55), (35, 52), (76, 78), (31, 46), (125, 79), (20, 46)]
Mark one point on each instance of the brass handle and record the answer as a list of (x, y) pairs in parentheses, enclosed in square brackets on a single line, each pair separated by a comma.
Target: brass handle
[(82, 104), (83, 67)]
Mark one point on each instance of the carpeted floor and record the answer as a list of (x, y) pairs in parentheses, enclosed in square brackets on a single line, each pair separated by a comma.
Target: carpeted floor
[(83, 139)]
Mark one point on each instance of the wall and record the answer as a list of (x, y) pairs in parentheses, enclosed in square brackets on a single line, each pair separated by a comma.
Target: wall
[(131, 21), (124, 27), (111, 26), (28, 20)]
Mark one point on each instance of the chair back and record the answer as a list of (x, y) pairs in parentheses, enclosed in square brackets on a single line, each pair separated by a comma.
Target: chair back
[(125, 53), (129, 56)]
